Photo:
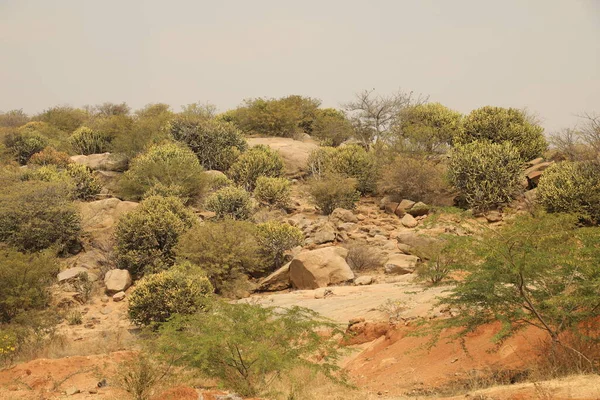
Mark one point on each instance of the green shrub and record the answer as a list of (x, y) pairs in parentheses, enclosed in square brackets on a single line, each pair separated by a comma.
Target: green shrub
[(50, 156), (228, 251), (498, 125), (333, 191), (248, 346), (415, 178), (182, 289), (257, 161), (218, 181), (439, 257), (25, 280), (23, 145), (572, 187), (46, 173), (87, 141), (170, 165), (37, 215), (331, 127), (146, 236), (230, 202), (273, 191), (65, 118), (85, 184), (352, 161), (217, 144), (276, 238), (486, 174)]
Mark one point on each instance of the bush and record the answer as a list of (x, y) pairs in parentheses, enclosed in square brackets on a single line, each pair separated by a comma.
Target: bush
[(23, 145), (439, 257), (65, 118), (334, 191), (486, 174), (498, 125), (276, 238), (25, 280), (331, 127), (415, 178), (87, 141), (273, 191), (168, 165), (230, 202), (248, 346), (228, 251), (217, 144), (146, 237), (37, 215), (572, 187), (258, 161), (362, 257), (49, 156), (86, 186), (182, 289), (218, 181)]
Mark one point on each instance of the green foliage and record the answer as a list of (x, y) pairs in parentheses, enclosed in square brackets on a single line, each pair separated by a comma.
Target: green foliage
[(248, 346), (439, 257), (352, 161), (498, 125), (25, 281), (24, 144), (36, 215), (87, 141), (86, 186), (169, 165), (258, 161), (13, 118), (276, 238), (227, 251), (183, 289), (572, 187), (49, 156), (218, 181), (230, 202), (333, 191), (540, 271), (146, 237), (331, 127), (273, 191), (486, 174), (428, 128), (217, 144), (415, 178), (65, 118)]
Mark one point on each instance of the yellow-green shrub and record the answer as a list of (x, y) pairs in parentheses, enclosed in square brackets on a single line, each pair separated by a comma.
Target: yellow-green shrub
[(333, 191), (257, 161), (572, 187), (276, 238), (331, 127), (273, 191), (230, 202), (50, 156), (486, 174), (24, 144), (85, 184), (87, 141), (183, 289)]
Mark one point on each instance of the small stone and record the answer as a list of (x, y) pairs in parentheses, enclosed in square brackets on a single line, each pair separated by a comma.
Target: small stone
[(118, 296), (493, 216), (205, 215), (71, 391), (355, 321), (363, 280), (105, 299), (409, 221)]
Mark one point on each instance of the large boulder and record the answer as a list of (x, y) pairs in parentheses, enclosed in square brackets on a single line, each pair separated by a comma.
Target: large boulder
[(99, 219), (72, 273), (320, 268), (400, 264), (293, 152), (278, 280), (325, 234), (102, 162), (117, 280), (343, 215)]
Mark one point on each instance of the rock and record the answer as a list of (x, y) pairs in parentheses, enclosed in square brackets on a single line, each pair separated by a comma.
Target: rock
[(99, 219), (384, 200), (347, 227), (363, 280), (493, 216), (324, 293), (391, 207), (400, 264), (409, 221), (415, 240), (406, 249), (214, 174), (117, 280), (72, 391), (294, 153), (119, 296), (535, 161), (419, 209), (231, 396), (320, 268), (71, 273), (206, 215), (406, 204), (108, 179), (325, 234), (278, 280), (102, 162), (343, 215)]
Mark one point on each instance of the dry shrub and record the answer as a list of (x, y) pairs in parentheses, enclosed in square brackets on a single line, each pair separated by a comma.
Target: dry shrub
[(362, 257)]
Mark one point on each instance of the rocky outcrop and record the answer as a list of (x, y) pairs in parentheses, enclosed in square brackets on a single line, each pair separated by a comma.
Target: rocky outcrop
[(320, 268), (99, 219), (117, 280), (278, 280), (102, 162), (293, 152)]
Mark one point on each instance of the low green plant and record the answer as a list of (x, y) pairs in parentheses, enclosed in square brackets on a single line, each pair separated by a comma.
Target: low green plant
[(258, 161), (74, 317), (183, 289), (275, 238), (146, 237), (334, 191), (273, 191), (87, 141), (230, 202), (141, 375), (85, 184), (24, 144)]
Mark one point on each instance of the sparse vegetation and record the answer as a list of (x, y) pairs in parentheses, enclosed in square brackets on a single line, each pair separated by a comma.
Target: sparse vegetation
[(334, 191), (362, 257)]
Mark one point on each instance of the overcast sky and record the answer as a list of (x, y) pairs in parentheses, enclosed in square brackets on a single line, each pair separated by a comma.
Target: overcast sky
[(540, 54)]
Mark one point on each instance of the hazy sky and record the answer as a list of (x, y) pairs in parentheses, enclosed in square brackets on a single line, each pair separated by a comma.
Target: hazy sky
[(540, 54)]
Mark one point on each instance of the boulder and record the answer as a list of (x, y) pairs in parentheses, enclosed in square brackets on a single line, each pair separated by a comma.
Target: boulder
[(415, 240), (99, 219), (278, 280), (391, 207), (400, 264), (294, 153), (117, 280), (325, 234), (409, 221), (320, 268), (363, 280), (102, 162), (120, 296), (419, 209), (493, 216), (343, 215), (108, 179), (214, 174), (406, 204), (71, 273)]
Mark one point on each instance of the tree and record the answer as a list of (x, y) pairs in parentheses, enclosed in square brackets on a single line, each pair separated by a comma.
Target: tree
[(199, 110), (331, 127), (65, 118), (13, 118), (373, 115)]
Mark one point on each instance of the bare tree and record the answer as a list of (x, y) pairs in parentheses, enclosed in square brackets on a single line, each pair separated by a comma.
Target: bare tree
[(373, 115), (590, 132), (579, 143)]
